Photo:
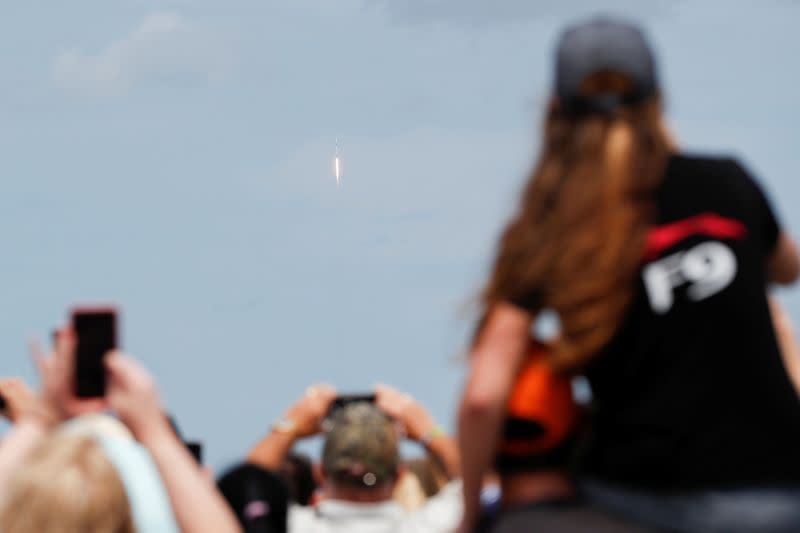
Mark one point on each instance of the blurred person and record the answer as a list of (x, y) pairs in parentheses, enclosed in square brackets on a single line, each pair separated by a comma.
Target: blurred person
[(408, 491), (536, 457), (361, 464), (258, 497), (655, 263), (131, 394), (428, 472), (298, 473), (47, 479), (66, 484)]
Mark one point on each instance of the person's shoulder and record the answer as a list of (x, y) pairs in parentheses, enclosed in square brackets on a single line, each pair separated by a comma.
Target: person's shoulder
[(301, 518), (711, 169), (713, 163), (442, 512)]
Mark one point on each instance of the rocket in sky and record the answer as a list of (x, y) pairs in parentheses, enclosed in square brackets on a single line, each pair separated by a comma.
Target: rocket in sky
[(337, 166)]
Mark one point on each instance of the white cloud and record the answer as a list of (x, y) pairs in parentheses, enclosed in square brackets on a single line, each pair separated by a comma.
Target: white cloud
[(163, 46)]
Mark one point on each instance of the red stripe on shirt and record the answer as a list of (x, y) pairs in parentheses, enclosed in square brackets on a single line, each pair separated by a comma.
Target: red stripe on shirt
[(666, 236)]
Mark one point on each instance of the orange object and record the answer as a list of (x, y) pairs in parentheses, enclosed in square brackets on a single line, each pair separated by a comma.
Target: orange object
[(545, 398)]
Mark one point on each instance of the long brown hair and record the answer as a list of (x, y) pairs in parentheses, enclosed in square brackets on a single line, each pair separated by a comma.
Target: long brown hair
[(576, 242)]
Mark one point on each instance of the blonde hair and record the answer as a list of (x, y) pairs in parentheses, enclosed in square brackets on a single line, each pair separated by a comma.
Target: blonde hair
[(67, 485), (408, 492)]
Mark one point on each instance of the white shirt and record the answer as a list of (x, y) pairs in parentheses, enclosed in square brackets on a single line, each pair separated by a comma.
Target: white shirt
[(441, 514)]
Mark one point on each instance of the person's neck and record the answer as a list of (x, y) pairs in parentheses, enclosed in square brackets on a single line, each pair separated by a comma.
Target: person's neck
[(532, 487)]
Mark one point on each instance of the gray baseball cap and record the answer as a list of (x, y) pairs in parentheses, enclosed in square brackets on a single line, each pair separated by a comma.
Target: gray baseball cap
[(361, 449), (603, 44)]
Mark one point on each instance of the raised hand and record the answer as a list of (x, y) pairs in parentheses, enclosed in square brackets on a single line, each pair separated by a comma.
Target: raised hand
[(308, 413), (57, 374), (20, 400), (416, 420), (132, 394)]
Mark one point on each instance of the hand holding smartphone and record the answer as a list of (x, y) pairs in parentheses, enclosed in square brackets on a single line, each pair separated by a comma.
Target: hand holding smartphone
[(344, 400), (96, 334)]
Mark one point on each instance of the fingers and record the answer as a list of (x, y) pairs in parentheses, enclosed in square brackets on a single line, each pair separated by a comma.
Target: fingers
[(118, 365), (38, 355), (125, 369), (9, 386), (65, 342), (391, 400), (322, 390), (326, 392), (64, 354), (322, 395), (16, 394), (382, 389)]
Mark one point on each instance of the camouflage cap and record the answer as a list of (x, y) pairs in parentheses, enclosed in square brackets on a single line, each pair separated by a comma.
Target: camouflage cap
[(361, 449)]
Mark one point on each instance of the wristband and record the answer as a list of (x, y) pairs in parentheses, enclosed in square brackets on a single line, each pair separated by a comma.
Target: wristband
[(433, 433), (285, 426)]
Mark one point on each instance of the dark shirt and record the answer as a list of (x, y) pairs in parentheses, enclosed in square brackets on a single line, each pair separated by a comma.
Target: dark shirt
[(568, 516), (692, 392)]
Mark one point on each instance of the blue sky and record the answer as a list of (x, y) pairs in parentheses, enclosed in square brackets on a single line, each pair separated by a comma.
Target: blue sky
[(174, 157)]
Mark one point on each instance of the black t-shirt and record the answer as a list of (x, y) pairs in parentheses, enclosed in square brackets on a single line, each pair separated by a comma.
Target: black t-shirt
[(692, 392)]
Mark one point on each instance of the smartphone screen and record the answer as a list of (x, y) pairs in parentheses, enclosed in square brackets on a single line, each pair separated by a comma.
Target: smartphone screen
[(96, 335), (2, 402)]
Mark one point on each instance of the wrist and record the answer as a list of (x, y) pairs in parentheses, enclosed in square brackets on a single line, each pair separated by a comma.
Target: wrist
[(151, 435), (431, 434), (285, 426)]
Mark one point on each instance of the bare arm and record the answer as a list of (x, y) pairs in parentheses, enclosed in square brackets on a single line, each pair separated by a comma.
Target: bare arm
[(783, 266), (495, 361), (301, 420), (421, 427), (271, 451), (444, 449), (198, 506)]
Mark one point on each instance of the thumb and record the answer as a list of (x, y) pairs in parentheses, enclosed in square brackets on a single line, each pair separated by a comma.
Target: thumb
[(118, 367)]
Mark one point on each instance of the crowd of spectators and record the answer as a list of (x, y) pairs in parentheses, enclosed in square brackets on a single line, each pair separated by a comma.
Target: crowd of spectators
[(657, 266)]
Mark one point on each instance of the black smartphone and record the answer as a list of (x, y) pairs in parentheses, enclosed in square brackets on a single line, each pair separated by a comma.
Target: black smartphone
[(2, 402), (344, 400), (95, 332), (196, 449)]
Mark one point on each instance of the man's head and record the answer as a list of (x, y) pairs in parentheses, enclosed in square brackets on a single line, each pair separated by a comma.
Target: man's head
[(360, 459)]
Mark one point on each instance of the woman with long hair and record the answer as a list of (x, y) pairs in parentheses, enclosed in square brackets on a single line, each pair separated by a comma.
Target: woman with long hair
[(655, 263)]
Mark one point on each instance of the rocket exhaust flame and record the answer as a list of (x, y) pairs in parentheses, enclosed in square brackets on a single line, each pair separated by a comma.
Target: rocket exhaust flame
[(337, 166)]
